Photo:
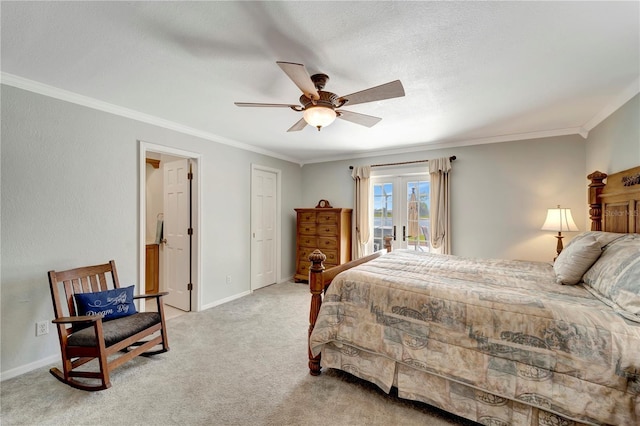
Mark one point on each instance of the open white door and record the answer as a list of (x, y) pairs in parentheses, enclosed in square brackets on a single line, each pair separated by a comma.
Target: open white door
[(263, 227), (176, 234)]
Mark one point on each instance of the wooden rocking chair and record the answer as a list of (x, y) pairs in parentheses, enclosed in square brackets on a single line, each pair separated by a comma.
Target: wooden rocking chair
[(88, 337)]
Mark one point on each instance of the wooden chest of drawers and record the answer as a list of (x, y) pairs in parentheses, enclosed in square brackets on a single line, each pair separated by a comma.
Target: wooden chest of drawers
[(327, 229)]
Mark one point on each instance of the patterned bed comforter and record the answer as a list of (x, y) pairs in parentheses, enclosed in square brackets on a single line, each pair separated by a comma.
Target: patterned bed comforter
[(502, 330)]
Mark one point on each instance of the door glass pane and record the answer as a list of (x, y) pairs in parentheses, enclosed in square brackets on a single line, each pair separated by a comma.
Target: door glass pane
[(418, 215), (382, 213)]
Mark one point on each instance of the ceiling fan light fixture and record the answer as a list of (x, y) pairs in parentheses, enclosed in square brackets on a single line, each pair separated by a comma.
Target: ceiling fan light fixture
[(319, 116), (320, 108)]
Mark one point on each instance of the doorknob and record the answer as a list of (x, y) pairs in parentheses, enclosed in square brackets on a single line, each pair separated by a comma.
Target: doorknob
[(163, 241)]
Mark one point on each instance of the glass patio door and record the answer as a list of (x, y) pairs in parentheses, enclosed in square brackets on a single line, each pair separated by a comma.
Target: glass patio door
[(401, 210)]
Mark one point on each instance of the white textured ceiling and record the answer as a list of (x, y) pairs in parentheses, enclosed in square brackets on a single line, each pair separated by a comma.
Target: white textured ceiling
[(472, 71)]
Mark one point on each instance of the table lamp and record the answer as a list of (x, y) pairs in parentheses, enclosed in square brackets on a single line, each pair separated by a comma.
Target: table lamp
[(559, 220)]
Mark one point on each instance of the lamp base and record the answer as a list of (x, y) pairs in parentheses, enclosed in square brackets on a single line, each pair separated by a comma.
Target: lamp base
[(559, 246)]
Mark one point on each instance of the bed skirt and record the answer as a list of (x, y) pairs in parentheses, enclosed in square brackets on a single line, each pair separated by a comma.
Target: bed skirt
[(444, 393)]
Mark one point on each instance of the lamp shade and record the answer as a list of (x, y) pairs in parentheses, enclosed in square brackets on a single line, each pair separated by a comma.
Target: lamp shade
[(559, 220), (319, 116)]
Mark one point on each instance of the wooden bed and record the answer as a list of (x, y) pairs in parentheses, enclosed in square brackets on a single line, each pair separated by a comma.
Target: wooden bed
[(498, 396)]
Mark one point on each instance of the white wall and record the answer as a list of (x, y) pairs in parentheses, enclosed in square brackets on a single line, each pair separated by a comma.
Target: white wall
[(70, 198)]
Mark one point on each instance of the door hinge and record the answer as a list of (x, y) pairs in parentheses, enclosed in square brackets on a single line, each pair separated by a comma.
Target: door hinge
[(190, 231), (190, 176), (190, 286)]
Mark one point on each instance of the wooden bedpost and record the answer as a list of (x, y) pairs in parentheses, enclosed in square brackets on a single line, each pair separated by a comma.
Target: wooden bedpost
[(316, 286), (595, 205), (387, 243), (318, 281)]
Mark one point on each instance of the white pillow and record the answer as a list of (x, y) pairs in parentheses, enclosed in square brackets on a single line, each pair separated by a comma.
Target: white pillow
[(604, 238), (616, 275), (576, 259)]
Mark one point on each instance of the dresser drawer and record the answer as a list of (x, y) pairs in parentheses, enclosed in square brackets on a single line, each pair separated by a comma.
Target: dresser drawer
[(307, 217), (308, 241), (325, 230), (304, 252), (303, 268), (332, 258), (307, 228), (328, 218), (327, 243)]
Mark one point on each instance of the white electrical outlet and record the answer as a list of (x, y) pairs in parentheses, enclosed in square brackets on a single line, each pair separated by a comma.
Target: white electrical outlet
[(42, 328), (228, 279)]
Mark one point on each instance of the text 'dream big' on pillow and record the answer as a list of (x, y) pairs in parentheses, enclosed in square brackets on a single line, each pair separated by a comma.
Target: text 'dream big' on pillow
[(616, 274), (111, 304), (576, 259)]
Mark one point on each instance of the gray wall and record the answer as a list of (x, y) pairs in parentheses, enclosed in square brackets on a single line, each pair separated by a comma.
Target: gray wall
[(70, 197), (500, 193), (614, 145), (70, 184)]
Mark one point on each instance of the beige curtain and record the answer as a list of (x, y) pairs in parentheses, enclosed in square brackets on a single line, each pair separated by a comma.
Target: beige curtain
[(440, 214), (361, 176)]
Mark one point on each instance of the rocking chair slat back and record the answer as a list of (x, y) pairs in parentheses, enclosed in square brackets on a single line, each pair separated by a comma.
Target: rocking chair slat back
[(95, 278)]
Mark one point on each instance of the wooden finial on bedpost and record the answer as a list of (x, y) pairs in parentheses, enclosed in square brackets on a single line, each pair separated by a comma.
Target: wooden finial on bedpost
[(387, 243), (595, 205), (316, 286)]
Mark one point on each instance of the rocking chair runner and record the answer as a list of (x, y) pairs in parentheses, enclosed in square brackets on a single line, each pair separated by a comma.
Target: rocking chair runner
[(85, 338)]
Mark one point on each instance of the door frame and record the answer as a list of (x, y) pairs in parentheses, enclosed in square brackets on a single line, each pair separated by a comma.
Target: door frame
[(196, 249), (278, 216)]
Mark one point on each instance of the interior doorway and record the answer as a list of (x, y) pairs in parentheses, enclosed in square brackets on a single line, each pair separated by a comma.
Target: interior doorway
[(170, 239)]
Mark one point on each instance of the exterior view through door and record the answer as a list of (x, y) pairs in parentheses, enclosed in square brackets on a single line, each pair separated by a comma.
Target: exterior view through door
[(401, 210)]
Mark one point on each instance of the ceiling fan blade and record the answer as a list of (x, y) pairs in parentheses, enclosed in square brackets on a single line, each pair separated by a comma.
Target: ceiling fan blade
[(361, 119), (250, 104), (300, 76), (301, 124), (390, 90)]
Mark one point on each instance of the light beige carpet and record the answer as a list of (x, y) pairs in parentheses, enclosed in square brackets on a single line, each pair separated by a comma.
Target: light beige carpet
[(241, 363)]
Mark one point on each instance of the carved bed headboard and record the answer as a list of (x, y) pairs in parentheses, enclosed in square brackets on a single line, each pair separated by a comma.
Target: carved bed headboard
[(615, 205)]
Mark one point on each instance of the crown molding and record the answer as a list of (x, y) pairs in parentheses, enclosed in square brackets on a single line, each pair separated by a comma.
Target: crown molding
[(33, 86), (622, 98), (430, 146), (65, 95)]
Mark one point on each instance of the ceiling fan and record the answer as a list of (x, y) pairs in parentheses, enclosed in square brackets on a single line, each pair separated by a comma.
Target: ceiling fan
[(320, 108)]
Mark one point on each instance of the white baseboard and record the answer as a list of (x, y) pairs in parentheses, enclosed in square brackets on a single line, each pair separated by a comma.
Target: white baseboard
[(226, 300), (6, 375)]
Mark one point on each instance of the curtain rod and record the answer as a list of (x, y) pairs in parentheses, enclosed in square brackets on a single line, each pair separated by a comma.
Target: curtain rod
[(453, 157)]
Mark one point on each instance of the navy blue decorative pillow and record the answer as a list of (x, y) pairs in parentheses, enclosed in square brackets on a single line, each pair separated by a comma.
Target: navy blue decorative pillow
[(111, 304)]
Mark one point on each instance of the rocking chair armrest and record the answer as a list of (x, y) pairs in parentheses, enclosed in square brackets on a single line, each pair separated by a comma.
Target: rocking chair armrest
[(152, 295), (77, 319)]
